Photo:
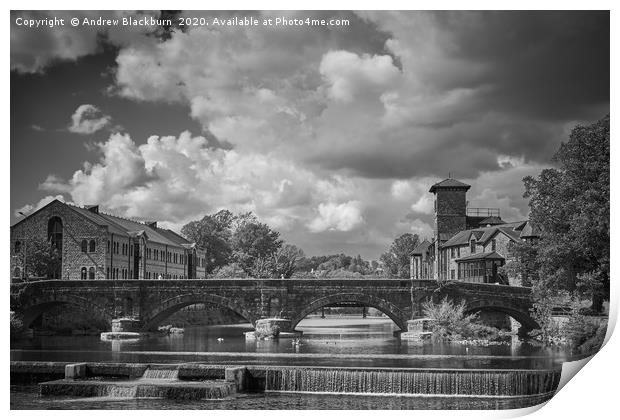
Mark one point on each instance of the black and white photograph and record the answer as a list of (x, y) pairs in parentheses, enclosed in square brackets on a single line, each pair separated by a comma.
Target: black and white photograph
[(308, 209)]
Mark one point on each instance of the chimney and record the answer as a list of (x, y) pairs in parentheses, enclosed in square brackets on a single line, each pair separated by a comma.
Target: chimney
[(151, 224), (92, 208)]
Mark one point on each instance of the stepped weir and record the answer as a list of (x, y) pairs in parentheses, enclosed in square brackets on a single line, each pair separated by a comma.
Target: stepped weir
[(204, 381), (497, 383)]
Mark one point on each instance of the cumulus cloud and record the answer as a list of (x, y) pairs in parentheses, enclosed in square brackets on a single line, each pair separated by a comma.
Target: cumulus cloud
[(31, 208), (332, 216), (339, 132), (424, 204), (88, 119), (348, 74), (33, 49)]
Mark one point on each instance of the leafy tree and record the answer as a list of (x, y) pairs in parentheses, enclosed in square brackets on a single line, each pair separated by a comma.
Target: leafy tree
[(213, 233), (396, 260), (229, 271), (42, 259), (523, 264), (570, 205), (286, 260), (254, 244)]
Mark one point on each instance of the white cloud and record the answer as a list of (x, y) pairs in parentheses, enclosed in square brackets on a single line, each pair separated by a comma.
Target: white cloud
[(424, 205), (422, 229), (343, 217), (88, 119), (349, 74), (31, 208)]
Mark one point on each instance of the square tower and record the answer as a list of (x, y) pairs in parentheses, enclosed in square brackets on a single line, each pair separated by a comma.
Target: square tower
[(450, 215)]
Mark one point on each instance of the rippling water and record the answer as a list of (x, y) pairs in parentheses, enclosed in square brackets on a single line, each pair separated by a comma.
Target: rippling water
[(327, 342)]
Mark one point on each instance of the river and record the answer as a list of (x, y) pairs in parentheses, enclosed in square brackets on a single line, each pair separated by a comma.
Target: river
[(335, 341)]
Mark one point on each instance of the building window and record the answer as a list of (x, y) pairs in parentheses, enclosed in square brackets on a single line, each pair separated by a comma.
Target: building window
[(108, 247), (107, 272), (18, 247), (91, 273), (54, 232), (84, 245), (493, 244), (91, 246), (17, 273), (83, 273), (452, 253), (452, 274), (472, 246)]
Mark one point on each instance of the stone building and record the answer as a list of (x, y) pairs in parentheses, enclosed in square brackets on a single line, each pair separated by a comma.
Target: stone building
[(94, 245), (469, 244)]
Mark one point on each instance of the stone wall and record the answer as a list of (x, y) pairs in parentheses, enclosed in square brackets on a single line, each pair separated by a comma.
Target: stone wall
[(75, 229), (154, 301)]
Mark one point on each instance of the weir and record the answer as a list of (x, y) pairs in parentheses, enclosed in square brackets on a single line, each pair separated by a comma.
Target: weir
[(500, 383), (202, 381)]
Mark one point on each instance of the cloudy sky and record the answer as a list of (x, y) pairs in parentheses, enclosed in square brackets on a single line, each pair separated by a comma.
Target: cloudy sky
[(331, 135)]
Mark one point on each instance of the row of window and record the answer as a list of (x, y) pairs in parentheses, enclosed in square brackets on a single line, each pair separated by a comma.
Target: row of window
[(153, 275), (119, 248), (455, 252), (87, 273), (89, 246), (171, 257)]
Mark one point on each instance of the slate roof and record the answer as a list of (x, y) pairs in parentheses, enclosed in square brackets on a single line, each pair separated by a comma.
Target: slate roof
[(491, 220), (121, 226), (449, 183), (485, 234), (481, 256), (421, 248)]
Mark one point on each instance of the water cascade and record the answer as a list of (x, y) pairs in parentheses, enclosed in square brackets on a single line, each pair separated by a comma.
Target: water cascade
[(154, 383), (413, 381), (161, 374)]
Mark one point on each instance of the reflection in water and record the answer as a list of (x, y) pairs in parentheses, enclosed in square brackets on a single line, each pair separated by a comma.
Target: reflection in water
[(337, 342), (345, 340)]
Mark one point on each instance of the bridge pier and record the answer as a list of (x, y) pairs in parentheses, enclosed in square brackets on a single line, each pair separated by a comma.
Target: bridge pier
[(270, 328)]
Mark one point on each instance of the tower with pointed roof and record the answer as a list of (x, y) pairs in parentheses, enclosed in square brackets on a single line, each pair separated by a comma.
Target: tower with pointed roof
[(450, 216)]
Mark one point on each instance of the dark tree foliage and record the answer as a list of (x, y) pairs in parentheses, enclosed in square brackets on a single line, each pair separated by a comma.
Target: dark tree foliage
[(213, 233), (523, 263), (396, 260), (42, 259), (254, 245), (570, 205)]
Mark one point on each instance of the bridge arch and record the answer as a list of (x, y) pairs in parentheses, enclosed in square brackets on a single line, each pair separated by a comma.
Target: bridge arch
[(391, 310), (170, 306), (523, 317), (44, 303)]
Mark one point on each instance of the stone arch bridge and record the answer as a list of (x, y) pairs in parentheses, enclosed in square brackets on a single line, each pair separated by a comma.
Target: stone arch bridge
[(152, 301)]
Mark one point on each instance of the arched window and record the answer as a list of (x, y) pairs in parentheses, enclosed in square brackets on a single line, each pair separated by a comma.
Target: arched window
[(91, 273), (84, 245), (18, 247), (54, 232), (83, 273), (91, 246)]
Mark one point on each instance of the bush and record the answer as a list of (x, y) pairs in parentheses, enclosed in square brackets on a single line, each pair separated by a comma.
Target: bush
[(16, 324), (594, 343), (267, 331), (581, 329), (449, 322)]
